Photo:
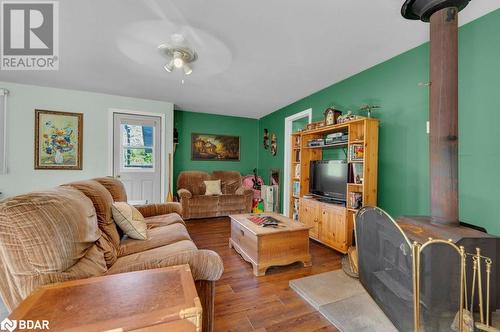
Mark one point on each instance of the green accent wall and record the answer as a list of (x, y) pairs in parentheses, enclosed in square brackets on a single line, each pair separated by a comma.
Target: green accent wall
[(202, 123), (403, 141), (299, 124)]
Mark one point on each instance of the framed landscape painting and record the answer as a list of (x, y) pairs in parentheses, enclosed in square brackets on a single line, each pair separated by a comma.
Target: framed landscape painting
[(215, 147), (58, 140)]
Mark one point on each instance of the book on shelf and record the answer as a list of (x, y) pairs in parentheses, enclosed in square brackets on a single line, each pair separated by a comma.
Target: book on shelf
[(297, 156), (356, 152), (297, 171), (355, 200), (296, 188)]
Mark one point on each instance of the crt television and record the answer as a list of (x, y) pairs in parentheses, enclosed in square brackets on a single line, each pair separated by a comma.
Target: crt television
[(328, 179)]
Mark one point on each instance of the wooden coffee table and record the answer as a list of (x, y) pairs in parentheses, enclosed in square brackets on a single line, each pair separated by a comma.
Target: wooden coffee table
[(162, 299), (264, 247)]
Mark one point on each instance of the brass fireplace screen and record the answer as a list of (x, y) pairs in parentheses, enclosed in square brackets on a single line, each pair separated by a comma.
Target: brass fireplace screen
[(422, 286)]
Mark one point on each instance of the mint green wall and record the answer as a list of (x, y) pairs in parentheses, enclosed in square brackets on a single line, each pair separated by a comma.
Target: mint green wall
[(22, 102), (202, 123), (403, 158)]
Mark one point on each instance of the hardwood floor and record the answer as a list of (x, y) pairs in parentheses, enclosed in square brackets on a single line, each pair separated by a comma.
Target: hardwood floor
[(244, 302)]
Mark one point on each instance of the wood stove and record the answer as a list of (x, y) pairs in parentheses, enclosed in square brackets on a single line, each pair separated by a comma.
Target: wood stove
[(386, 262)]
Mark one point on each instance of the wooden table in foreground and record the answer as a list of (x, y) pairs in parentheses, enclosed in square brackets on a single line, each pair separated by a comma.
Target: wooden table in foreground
[(264, 247), (152, 300)]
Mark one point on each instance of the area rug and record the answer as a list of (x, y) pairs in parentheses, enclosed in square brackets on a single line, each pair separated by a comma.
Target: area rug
[(343, 301)]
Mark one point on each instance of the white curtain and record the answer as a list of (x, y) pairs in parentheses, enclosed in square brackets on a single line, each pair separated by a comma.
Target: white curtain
[(3, 130)]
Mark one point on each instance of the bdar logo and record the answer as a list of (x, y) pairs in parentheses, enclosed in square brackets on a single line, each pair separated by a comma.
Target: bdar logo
[(8, 325)]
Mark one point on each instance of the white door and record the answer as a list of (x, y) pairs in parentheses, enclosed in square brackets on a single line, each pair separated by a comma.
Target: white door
[(137, 155)]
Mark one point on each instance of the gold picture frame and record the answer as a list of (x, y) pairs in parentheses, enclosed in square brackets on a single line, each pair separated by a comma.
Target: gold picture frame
[(213, 147), (58, 140)]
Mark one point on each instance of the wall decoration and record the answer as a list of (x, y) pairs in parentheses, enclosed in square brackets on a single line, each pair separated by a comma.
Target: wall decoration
[(215, 147), (266, 139), (274, 177), (274, 144), (331, 116), (368, 109), (58, 140)]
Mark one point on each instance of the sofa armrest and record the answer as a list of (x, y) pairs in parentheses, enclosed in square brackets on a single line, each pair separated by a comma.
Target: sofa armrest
[(244, 191), (151, 210), (184, 193), (248, 193)]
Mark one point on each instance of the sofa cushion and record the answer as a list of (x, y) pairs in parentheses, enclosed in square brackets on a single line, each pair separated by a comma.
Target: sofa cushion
[(203, 203), (156, 237), (164, 220), (212, 187), (236, 201), (130, 220), (102, 200), (193, 181), (115, 188), (231, 181), (44, 235)]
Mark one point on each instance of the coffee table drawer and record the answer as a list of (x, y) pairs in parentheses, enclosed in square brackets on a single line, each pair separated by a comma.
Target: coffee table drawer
[(245, 239)]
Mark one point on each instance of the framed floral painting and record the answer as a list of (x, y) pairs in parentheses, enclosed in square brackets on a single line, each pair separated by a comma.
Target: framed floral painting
[(58, 140)]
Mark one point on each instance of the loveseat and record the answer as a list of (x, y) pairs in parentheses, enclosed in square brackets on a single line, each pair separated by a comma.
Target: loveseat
[(234, 199), (68, 233)]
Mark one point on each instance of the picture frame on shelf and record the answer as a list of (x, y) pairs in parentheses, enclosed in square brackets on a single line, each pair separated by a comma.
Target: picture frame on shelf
[(357, 173), (355, 200), (356, 152)]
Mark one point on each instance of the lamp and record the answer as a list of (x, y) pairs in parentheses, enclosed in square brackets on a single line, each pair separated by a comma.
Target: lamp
[(178, 57)]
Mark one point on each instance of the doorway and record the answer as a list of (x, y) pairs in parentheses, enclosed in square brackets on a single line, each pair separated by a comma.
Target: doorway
[(137, 155), (292, 124)]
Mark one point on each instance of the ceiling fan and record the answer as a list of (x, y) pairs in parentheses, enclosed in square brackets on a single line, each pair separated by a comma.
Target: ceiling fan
[(178, 53)]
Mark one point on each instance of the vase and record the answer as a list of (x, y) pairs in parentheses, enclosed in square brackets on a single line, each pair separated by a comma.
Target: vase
[(59, 157)]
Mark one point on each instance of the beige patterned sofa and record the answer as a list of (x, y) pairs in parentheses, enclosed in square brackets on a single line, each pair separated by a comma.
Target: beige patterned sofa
[(235, 199), (68, 233)]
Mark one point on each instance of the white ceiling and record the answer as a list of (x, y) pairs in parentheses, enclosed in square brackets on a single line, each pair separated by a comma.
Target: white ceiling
[(255, 56)]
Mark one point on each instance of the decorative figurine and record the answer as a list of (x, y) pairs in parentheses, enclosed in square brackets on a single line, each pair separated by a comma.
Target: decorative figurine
[(331, 116), (368, 108)]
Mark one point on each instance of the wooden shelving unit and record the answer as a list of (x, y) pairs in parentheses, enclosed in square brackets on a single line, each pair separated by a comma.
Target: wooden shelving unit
[(332, 224)]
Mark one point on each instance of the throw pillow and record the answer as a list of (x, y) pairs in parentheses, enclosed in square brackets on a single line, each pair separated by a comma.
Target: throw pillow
[(130, 220), (212, 188)]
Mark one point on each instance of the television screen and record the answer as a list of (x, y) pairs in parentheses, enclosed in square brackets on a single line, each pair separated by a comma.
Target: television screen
[(328, 178)]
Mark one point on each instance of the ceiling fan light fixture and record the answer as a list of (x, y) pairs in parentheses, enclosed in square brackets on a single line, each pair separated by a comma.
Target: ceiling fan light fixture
[(179, 56), (187, 69), (178, 60), (169, 67)]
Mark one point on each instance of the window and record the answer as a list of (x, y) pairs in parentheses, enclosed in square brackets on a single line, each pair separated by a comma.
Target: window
[(137, 147)]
